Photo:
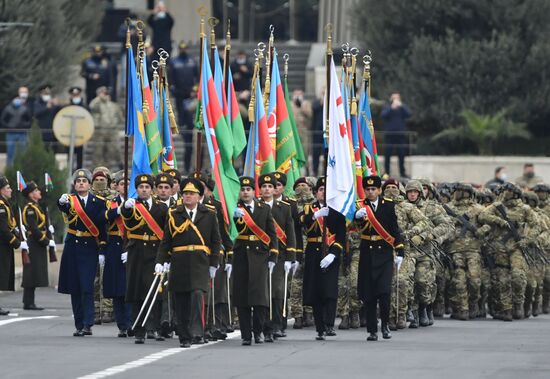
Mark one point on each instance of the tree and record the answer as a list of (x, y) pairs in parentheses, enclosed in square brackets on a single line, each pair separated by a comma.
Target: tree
[(484, 131), (445, 57), (42, 53), (33, 162)]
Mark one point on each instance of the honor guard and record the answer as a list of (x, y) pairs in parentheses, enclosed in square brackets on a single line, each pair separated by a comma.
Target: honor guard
[(254, 257), (39, 238), (144, 219), (164, 185), (9, 240), (380, 235), (221, 326), (321, 263), (284, 228), (176, 176), (114, 272), (191, 248), (84, 213)]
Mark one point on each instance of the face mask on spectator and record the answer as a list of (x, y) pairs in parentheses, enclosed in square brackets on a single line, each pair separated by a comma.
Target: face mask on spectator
[(77, 100), (161, 14), (23, 95), (241, 60), (46, 98)]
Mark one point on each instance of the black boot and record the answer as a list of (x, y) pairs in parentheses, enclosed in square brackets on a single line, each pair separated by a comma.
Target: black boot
[(386, 332), (430, 312), (410, 315), (414, 323), (298, 323), (344, 324), (308, 320), (423, 315), (355, 322)]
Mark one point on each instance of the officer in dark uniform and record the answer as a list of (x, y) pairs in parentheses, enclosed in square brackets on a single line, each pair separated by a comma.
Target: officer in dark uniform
[(35, 274), (254, 257), (176, 178), (376, 262), (144, 220), (191, 246), (9, 240), (219, 328), (284, 227), (114, 272), (321, 272), (164, 185), (85, 241), (98, 72)]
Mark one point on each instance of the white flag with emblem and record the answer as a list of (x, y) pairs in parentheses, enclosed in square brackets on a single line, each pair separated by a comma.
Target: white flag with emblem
[(340, 190)]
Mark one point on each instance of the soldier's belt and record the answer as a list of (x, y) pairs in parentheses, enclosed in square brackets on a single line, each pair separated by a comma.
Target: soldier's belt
[(371, 238), (248, 238), (179, 249), (79, 233), (114, 233), (314, 239), (142, 237)]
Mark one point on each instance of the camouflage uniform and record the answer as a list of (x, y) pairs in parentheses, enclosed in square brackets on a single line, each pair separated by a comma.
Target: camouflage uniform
[(297, 309), (108, 120), (465, 290), (485, 199), (412, 222), (509, 278), (349, 304), (542, 192)]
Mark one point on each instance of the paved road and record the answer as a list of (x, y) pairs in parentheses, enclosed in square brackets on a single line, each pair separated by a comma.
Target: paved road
[(38, 344)]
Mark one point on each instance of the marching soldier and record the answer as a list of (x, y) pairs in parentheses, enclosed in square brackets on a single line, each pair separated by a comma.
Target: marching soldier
[(321, 272), (254, 257), (35, 274), (114, 272), (9, 240), (164, 185), (380, 235), (303, 315), (191, 246), (85, 241), (221, 326), (542, 191), (284, 228), (176, 176), (144, 219), (485, 302)]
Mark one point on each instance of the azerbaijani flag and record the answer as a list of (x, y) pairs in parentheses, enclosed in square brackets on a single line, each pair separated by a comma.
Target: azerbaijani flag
[(234, 119), (358, 146), (48, 182), (259, 155), (21, 185), (168, 155), (367, 133), (154, 145), (135, 124), (218, 138)]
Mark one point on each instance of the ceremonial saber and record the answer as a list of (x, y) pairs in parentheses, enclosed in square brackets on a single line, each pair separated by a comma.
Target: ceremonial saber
[(213, 304), (229, 300), (270, 299), (169, 295), (145, 301), (396, 294), (286, 289), (159, 288)]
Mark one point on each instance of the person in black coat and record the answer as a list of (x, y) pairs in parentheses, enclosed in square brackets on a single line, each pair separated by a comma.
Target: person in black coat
[(376, 262), (161, 22), (321, 271), (9, 240), (35, 274), (44, 110)]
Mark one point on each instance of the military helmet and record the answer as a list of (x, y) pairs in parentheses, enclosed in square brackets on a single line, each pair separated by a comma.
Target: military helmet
[(465, 187), (511, 187), (530, 198), (541, 188), (486, 196), (413, 185)]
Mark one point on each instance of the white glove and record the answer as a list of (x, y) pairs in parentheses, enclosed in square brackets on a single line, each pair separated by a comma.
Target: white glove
[(23, 229), (271, 266), (118, 210), (124, 257), (361, 213), (398, 260), (239, 212), (326, 261), (130, 203), (323, 212), (64, 199), (158, 268), (51, 243), (295, 266), (101, 260), (288, 266), (228, 269), (166, 267), (212, 270), (51, 229), (24, 245)]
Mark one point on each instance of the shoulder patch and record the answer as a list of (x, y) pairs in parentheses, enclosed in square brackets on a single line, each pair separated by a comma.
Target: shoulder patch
[(388, 199), (284, 202)]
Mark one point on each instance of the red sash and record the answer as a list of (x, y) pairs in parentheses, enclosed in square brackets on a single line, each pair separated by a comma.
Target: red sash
[(281, 235), (258, 232), (150, 220), (81, 213), (330, 238), (118, 220), (378, 227)]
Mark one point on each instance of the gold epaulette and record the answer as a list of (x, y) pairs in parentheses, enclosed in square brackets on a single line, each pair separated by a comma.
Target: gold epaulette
[(100, 197), (284, 202), (388, 199), (210, 207)]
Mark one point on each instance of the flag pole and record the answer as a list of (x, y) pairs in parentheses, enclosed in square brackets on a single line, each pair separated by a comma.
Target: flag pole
[(328, 29), (202, 11), (269, 65), (227, 52), (126, 134)]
